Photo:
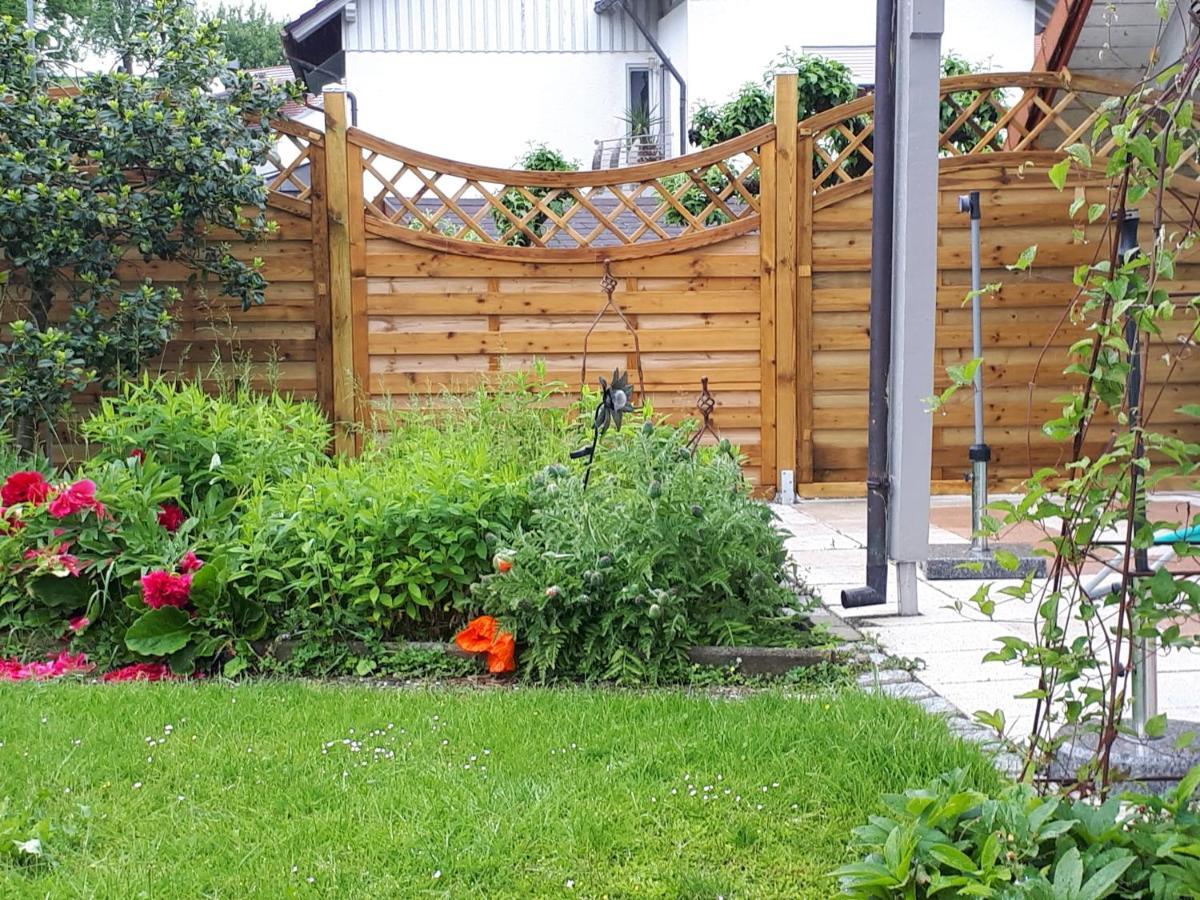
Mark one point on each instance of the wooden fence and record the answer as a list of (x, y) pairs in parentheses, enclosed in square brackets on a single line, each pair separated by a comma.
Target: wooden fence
[(396, 273)]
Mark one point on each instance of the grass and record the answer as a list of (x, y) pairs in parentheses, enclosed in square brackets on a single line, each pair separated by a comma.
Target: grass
[(256, 790)]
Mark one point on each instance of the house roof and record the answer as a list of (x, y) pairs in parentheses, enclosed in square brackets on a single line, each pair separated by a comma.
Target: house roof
[(309, 21), (1114, 38)]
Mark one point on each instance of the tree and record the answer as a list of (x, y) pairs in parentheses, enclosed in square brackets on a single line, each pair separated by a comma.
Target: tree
[(150, 163), (111, 25), (252, 36)]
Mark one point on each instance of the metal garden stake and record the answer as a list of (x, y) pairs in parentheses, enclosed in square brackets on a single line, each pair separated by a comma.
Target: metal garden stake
[(980, 453)]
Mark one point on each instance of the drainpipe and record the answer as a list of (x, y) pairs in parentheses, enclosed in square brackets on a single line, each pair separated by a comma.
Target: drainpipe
[(670, 67), (880, 362)]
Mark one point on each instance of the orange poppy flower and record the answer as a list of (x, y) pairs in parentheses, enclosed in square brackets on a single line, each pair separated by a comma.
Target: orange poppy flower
[(501, 658), (478, 636)]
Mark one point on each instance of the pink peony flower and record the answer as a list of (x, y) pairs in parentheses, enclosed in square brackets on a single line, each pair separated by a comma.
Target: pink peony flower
[(170, 516), (161, 588), (24, 487), (74, 498), (190, 563), (138, 672), (78, 623), (63, 664)]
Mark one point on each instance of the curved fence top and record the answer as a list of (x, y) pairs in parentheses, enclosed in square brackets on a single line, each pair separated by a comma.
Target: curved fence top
[(664, 206)]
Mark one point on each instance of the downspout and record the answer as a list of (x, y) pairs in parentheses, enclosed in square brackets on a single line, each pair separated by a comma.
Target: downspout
[(883, 176), (670, 67)]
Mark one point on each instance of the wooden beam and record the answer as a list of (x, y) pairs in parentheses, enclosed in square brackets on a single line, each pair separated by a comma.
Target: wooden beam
[(786, 244), (339, 214)]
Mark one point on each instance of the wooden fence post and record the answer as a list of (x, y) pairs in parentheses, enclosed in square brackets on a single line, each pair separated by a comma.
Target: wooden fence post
[(786, 243), (804, 305), (337, 203)]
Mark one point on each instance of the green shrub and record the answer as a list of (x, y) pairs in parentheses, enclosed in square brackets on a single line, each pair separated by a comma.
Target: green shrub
[(539, 158), (661, 553), (388, 544), (220, 445), (947, 840), (373, 544)]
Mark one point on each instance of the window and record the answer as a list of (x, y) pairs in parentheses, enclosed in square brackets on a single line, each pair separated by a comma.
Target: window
[(639, 113)]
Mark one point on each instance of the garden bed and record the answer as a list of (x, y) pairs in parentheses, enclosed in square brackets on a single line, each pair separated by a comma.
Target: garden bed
[(203, 529)]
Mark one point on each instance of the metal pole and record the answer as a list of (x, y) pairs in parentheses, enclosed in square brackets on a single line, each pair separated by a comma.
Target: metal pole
[(883, 174), (1145, 649), (31, 24), (980, 453)]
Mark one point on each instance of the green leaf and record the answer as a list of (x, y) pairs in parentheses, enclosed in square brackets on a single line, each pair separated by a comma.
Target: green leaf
[(159, 632), (1190, 409), (67, 593), (206, 586), (1058, 173), (1101, 884), (235, 667), (1025, 260), (1068, 875), (953, 857), (1156, 726)]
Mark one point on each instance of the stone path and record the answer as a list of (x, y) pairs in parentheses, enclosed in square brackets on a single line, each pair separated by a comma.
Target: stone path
[(828, 544)]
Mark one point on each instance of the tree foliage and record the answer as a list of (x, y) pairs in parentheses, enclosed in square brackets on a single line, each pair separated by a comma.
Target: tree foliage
[(821, 84), (146, 164), (251, 35)]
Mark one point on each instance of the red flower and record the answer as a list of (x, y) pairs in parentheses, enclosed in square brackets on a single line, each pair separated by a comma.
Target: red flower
[(478, 636), (139, 672), (161, 588), (190, 563), (24, 487), (74, 498), (138, 454), (63, 664), (502, 657), (78, 623), (170, 516), (482, 636)]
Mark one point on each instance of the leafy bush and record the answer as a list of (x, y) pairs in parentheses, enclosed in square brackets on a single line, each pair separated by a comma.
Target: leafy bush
[(220, 446), (695, 200), (388, 544), (150, 160), (662, 552), (979, 122), (539, 158), (947, 840)]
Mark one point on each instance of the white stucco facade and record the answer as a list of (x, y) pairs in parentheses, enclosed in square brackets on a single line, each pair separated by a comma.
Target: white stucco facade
[(480, 80)]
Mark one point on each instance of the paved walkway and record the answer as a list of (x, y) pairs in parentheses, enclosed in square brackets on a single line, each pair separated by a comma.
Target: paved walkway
[(828, 543)]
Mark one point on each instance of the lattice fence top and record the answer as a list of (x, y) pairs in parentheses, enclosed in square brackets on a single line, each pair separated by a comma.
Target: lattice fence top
[(288, 169), (693, 200), (979, 114)]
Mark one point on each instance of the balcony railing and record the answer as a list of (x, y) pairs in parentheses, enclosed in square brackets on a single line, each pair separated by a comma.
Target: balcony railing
[(629, 150)]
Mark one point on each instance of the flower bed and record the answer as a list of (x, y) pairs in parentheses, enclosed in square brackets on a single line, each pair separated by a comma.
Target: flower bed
[(203, 526)]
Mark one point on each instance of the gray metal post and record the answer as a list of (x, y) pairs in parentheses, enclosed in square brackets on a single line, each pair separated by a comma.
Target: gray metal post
[(914, 303), (30, 23), (1145, 650), (979, 453)]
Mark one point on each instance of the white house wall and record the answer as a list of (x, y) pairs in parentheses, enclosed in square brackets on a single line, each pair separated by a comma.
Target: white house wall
[(502, 26), (488, 108), (481, 79)]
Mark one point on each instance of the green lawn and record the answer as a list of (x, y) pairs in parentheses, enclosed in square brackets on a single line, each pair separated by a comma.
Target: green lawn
[(285, 789)]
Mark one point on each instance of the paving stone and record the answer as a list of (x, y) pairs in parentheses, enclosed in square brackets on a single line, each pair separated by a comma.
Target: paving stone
[(938, 706), (909, 690), (884, 676)]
